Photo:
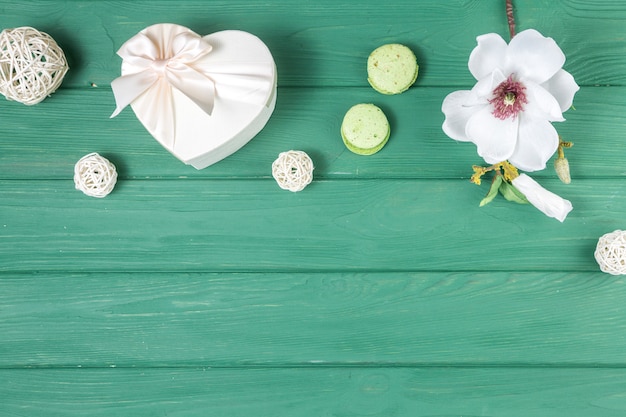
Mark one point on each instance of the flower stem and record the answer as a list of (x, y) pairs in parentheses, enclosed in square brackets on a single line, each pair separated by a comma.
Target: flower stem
[(563, 144), (509, 170), (510, 17), (504, 168)]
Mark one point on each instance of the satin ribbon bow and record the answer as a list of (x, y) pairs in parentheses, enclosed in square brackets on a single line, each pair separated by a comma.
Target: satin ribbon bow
[(162, 60)]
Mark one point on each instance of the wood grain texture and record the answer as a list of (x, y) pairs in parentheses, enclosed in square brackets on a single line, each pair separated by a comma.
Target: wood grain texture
[(305, 119), (326, 42), (477, 319), (314, 392), (360, 225), (381, 290)]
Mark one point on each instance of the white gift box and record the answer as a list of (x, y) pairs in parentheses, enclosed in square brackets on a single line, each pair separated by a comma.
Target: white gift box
[(201, 97)]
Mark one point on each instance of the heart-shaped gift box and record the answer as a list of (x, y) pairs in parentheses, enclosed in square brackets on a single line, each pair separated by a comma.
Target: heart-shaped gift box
[(201, 97)]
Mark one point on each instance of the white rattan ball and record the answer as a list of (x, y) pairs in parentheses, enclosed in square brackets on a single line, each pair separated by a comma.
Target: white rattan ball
[(293, 170), (32, 65), (94, 175), (611, 253)]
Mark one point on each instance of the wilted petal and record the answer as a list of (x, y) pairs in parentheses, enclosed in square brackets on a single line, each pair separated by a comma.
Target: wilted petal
[(531, 56), (488, 55), (549, 203), (542, 104), (563, 87), (494, 138), (457, 113), (537, 141)]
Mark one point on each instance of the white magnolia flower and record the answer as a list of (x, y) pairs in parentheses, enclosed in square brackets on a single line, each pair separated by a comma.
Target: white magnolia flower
[(521, 88), (549, 203)]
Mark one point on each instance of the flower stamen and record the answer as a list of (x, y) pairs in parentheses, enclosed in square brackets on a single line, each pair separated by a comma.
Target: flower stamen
[(508, 99)]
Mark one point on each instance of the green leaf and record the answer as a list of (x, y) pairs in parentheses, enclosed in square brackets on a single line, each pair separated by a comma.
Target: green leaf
[(493, 190), (511, 193)]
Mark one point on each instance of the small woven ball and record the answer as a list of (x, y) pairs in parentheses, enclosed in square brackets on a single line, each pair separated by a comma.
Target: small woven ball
[(94, 175), (32, 65), (611, 253), (293, 170)]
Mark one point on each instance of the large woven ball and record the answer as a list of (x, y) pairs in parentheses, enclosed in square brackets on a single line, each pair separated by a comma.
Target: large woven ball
[(611, 253), (32, 65)]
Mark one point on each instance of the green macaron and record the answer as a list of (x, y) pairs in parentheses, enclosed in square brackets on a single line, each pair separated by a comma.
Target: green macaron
[(392, 68), (365, 129)]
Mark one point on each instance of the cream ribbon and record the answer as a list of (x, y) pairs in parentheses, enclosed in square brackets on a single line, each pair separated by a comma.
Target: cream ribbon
[(171, 60)]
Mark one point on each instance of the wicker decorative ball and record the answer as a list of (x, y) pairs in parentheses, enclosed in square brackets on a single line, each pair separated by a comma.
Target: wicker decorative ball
[(32, 65), (611, 253), (293, 170), (94, 175)]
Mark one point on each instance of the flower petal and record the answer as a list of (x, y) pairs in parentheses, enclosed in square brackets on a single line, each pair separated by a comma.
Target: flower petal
[(549, 203), (541, 104), (488, 55), (457, 113), (483, 89), (563, 87), (494, 138), (537, 141), (532, 56)]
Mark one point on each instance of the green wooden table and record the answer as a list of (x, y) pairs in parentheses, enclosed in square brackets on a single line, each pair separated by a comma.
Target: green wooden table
[(382, 289)]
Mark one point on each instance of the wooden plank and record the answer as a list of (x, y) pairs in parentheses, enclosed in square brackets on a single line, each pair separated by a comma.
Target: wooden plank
[(381, 290), (296, 319), (326, 42), (240, 226), (305, 119), (319, 392)]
